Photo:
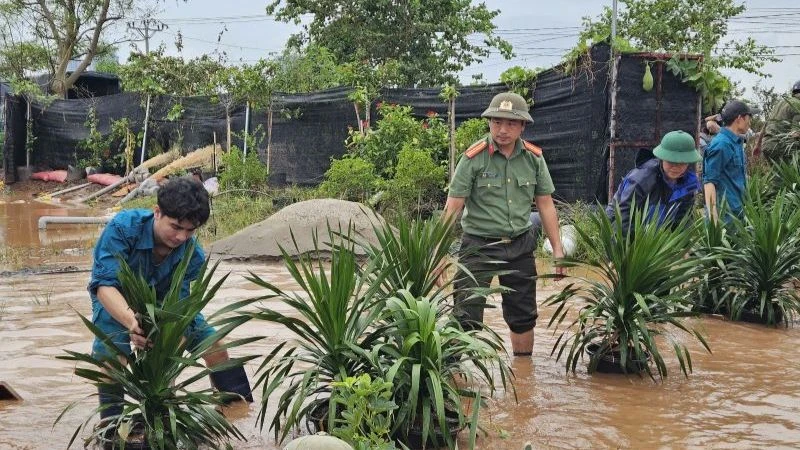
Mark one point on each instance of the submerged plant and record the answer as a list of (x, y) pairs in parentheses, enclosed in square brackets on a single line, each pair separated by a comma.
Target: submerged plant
[(163, 409), (766, 261), (634, 290)]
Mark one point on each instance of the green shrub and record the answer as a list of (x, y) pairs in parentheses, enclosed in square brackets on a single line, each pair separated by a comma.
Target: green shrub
[(395, 129), (469, 132), (416, 188), (349, 179), (243, 173), (366, 416)]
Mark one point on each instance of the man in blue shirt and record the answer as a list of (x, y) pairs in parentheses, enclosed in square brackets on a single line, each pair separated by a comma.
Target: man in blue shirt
[(153, 244), (724, 165), (665, 184)]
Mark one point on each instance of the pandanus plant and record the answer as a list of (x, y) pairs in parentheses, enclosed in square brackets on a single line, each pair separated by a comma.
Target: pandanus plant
[(634, 291), (160, 401)]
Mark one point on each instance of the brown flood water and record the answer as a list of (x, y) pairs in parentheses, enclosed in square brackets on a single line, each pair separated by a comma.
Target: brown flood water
[(745, 395)]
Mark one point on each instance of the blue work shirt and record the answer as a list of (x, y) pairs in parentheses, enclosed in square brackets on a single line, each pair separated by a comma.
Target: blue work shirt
[(724, 166), (129, 235)]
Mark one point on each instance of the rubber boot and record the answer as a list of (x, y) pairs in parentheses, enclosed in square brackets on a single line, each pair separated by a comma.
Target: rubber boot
[(233, 381), (112, 397)]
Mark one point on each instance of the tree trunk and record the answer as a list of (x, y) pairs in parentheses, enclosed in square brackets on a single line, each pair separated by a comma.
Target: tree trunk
[(228, 124), (269, 135), (452, 119)]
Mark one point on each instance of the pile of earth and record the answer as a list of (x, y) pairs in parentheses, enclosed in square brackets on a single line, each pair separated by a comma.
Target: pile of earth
[(294, 229)]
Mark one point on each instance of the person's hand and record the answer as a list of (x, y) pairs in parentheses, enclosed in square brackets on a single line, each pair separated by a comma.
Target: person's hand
[(561, 272), (138, 339), (795, 134)]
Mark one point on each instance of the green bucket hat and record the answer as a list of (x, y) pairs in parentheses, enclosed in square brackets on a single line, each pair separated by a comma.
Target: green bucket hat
[(508, 105), (677, 147)]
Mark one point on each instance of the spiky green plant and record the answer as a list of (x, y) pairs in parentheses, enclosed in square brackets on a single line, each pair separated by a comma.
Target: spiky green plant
[(332, 321), (171, 413), (766, 261), (714, 251), (635, 290), (426, 352)]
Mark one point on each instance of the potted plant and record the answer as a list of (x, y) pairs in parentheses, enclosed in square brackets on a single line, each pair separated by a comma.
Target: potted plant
[(631, 293), (333, 323), (714, 252), (366, 412), (158, 407), (766, 261), (436, 368)]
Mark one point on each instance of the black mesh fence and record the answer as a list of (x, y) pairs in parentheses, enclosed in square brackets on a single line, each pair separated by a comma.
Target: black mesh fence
[(570, 111)]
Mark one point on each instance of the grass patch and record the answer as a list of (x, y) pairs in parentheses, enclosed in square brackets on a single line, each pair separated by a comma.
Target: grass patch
[(233, 212)]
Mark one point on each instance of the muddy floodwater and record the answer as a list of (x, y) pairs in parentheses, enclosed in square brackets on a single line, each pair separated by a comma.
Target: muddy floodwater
[(744, 395)]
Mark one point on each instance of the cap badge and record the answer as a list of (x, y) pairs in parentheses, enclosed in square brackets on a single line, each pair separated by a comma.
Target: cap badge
[(506, 105)]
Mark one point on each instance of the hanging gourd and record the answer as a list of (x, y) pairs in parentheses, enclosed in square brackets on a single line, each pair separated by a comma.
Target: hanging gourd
[(647, 80)]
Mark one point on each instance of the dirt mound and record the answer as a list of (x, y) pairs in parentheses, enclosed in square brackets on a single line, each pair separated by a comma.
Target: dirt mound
[(303, 219)]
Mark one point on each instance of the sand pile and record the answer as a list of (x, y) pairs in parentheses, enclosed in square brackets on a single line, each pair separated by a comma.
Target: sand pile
[(262, 240)]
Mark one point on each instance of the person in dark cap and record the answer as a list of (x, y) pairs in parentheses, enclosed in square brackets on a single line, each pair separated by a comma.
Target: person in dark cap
[(495, 183), (784, 115), (665, 184), (724, 162)]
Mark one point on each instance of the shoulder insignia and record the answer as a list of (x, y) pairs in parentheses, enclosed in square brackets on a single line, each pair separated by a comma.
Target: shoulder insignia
[(476, 148), (535, 149)]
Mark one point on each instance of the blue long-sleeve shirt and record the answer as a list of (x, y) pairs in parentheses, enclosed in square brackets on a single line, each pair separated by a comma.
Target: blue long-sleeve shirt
[(724, 166), (668, 203), (129, 235)]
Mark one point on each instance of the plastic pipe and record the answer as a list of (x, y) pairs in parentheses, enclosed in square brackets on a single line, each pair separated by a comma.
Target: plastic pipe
[(44, 220)]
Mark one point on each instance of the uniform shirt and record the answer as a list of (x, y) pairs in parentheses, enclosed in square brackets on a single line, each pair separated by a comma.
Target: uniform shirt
[(129, 235), (785, 114), (724, 165), (667, 203), (499, 190)]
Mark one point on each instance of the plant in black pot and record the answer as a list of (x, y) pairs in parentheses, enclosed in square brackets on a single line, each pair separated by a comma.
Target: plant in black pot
[(159, 404), (332, 320), (437, 368), (766, 262), (632, 293)]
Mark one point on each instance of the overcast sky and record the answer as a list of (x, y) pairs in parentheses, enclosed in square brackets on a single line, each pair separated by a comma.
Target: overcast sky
[(540, 31)]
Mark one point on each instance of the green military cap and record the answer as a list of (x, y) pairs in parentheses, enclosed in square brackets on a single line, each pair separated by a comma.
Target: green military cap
[(677, 147), (508, 105)]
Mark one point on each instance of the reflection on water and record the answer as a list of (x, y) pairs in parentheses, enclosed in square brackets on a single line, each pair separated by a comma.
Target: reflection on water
[(742, 396), (24, 245)]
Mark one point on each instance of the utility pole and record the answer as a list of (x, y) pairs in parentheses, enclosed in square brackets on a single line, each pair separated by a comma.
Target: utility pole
[(147, 28)]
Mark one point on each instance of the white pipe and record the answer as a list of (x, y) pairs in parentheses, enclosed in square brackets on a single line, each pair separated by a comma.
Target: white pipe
[(246, 126), (44, 220), (144, 137)]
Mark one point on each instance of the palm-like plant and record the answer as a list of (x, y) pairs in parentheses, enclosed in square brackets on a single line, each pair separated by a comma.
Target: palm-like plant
[(426, 352), (337, 311), (408, 255), (169, 415), (634, 290), (766, 261), (714, 252)]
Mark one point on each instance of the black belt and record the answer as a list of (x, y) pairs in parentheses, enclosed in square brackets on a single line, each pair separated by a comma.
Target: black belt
[(492, 240)]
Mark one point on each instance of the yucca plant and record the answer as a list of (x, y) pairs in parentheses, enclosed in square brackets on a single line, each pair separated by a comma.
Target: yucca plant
[(332, 321), (766, 261), (714, 252), (408, 254), (157, 403), (633, 291), (427, 351)]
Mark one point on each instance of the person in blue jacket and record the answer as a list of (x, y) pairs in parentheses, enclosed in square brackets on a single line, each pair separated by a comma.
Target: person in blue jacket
[(153, 243), (665, 183)]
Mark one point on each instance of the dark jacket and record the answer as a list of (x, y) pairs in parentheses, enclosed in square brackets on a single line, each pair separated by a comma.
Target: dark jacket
[(646, 183)]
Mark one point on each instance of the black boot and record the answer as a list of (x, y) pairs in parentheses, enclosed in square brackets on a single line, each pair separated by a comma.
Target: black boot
[(112, 398), (233, 381)]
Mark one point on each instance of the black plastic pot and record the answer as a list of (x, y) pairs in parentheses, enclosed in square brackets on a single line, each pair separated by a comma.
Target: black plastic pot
[(413, 439), (317, 416), (610, 362), (753, 316), (112, 441)]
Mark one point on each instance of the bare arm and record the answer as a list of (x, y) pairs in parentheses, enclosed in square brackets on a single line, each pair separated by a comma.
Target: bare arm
[(710, 191), (453, 207), (113, 301)]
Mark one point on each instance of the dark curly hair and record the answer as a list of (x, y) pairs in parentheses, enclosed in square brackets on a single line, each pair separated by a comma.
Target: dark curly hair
[(184, 199)]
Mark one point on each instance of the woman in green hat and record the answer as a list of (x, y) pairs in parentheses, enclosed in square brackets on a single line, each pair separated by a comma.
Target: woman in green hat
[(665, 184)]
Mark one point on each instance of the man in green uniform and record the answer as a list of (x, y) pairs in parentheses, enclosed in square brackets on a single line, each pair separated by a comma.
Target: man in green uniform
[(784, 115), (494, 184)]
